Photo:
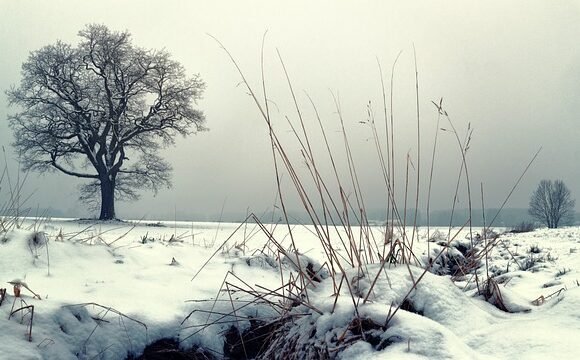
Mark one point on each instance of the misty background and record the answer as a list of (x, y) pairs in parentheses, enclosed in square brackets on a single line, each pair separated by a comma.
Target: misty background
[(510, 69)]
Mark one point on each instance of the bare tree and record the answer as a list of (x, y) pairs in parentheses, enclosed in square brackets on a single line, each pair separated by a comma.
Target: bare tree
[(101, 111), (552, 204)]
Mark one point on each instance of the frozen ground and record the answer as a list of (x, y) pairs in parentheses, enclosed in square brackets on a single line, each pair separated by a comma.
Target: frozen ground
[(108, 290)]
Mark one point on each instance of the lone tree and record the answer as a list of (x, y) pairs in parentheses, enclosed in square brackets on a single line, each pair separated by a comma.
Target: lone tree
[(101, 111), (552, 204)]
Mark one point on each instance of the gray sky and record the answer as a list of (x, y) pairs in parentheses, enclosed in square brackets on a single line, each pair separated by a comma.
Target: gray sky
[(508, 68)]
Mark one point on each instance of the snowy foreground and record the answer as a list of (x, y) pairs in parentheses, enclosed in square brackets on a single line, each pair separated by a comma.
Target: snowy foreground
[(106, 291)]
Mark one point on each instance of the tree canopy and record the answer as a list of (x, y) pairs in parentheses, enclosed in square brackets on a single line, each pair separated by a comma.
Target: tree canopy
[(552, 204), (101, 111)]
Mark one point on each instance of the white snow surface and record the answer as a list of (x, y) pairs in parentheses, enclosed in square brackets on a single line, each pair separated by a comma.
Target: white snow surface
[(109, 289)]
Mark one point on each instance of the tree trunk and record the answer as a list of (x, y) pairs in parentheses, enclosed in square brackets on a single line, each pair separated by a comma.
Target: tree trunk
[(107, 199)]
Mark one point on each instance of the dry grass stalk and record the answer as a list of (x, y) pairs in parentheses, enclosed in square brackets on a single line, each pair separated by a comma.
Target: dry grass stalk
[(29, 310)]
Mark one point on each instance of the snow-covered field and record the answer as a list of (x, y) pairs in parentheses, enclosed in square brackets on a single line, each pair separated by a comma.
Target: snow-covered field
[(107, 290)]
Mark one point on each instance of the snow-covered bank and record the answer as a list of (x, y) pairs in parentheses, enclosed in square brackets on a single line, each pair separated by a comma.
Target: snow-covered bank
[(109, 289)]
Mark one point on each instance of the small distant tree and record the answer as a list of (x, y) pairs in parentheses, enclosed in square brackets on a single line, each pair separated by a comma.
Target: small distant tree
[(101, 111), (552, 204)]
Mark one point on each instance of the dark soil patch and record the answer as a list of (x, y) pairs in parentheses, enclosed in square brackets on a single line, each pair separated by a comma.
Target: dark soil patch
[(464, 249), (251, 342), (168, 349), (408, 305)]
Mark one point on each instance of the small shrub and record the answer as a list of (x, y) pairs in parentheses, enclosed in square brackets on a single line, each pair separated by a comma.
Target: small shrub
[(535, 249), (529, 263), (523, 227)]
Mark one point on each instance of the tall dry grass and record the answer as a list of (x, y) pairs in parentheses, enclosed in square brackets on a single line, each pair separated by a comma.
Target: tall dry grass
[(335, 206)]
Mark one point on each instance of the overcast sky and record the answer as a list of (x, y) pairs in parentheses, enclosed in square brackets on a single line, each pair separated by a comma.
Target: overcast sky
[(510, 68)]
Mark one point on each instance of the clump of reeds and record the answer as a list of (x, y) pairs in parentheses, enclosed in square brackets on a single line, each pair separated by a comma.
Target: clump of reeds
[(355, 252)]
